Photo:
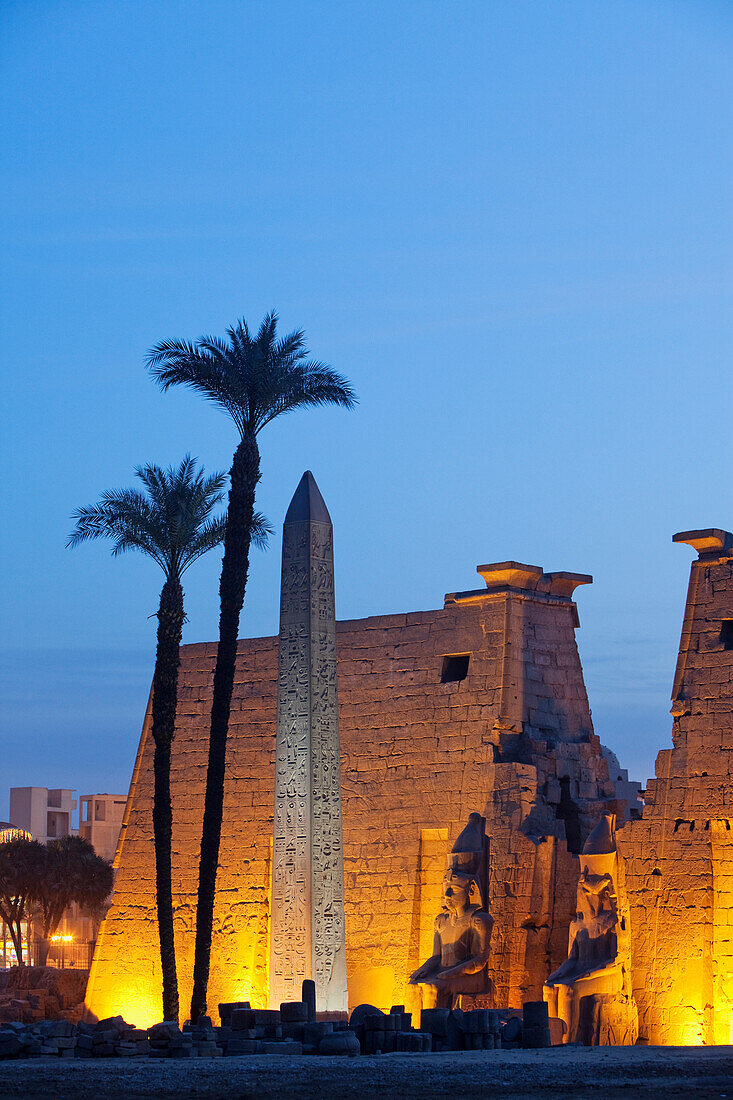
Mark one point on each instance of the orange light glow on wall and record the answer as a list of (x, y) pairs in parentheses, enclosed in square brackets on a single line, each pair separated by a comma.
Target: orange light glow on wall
[(690, 1030), (141, 1011)]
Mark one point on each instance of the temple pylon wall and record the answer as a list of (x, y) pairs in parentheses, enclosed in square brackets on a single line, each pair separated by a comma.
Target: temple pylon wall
[(477, 706), (679, 857)]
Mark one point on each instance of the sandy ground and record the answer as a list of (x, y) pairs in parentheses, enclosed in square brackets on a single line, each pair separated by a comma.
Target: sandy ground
[(640, 1073)]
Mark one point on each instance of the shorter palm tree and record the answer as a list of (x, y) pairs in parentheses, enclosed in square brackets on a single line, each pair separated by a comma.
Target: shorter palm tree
[(171, 522)]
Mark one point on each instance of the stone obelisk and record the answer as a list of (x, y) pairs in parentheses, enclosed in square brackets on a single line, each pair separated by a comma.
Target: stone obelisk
[(307, 928)]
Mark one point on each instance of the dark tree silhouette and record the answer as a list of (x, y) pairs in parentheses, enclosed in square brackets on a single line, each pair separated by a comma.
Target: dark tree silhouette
[(72, 873), (22, 861), (171, 522), (254, 379)]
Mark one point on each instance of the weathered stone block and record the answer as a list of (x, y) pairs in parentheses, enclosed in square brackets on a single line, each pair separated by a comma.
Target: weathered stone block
[(534, 1037), (340, 1043)]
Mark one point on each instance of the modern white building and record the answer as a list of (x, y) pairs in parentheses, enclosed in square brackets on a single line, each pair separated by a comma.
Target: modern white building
[(100, 821), (46, 814)]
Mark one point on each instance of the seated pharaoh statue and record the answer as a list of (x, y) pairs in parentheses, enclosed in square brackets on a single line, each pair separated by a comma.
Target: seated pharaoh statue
[(456, 974), (591, 991)]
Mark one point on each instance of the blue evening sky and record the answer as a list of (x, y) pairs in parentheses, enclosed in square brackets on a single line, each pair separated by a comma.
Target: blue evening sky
[(508, 222)]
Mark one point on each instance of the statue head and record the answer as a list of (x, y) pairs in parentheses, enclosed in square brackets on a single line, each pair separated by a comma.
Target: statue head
[(461, 891), (465, 884), (598, 858), (598, 870)]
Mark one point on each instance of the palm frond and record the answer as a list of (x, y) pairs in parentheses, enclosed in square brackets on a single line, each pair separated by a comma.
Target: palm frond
[(211, 535), (205, 368), (268, 327), (311, 384), (254, 379), (166, 350), (290, 346), (171, 522), (260, 531), (126, 518)]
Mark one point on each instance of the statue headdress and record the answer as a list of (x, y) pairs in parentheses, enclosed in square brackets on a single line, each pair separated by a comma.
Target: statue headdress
[(470, 855), (599, 850)]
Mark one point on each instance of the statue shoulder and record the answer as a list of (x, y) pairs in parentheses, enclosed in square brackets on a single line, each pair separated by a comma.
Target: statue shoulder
[(482, 920)]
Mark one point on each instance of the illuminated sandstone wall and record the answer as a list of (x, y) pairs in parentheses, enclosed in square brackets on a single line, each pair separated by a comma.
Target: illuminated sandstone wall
[(513, 739), (679, 858)]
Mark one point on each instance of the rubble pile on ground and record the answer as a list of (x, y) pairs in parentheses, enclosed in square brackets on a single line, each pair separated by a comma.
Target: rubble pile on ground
[(32, 993), (293, 1029)]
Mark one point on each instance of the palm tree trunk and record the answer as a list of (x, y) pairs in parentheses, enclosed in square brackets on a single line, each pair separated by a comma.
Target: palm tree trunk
[(165, 701), (245, 474)]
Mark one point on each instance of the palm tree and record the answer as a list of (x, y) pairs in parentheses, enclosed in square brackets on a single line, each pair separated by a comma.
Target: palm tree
[(71, 872), (172, 523), (21, 862), (255, 379)]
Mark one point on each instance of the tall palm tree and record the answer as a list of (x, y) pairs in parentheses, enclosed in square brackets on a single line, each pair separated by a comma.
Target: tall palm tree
[(171, 522), (255, 379)]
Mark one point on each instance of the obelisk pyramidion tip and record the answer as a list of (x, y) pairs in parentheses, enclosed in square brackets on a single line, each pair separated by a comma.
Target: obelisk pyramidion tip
[(307, 504)]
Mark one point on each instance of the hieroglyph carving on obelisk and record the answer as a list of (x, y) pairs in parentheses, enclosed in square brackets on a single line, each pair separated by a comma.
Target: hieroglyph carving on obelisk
[(307, 927)]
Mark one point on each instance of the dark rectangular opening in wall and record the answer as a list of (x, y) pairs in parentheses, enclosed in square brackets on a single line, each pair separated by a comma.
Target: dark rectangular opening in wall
[(726, 633), (455, 668)]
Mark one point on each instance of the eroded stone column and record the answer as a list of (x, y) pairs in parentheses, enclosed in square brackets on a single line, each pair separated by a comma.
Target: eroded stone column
[(307, 929)]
